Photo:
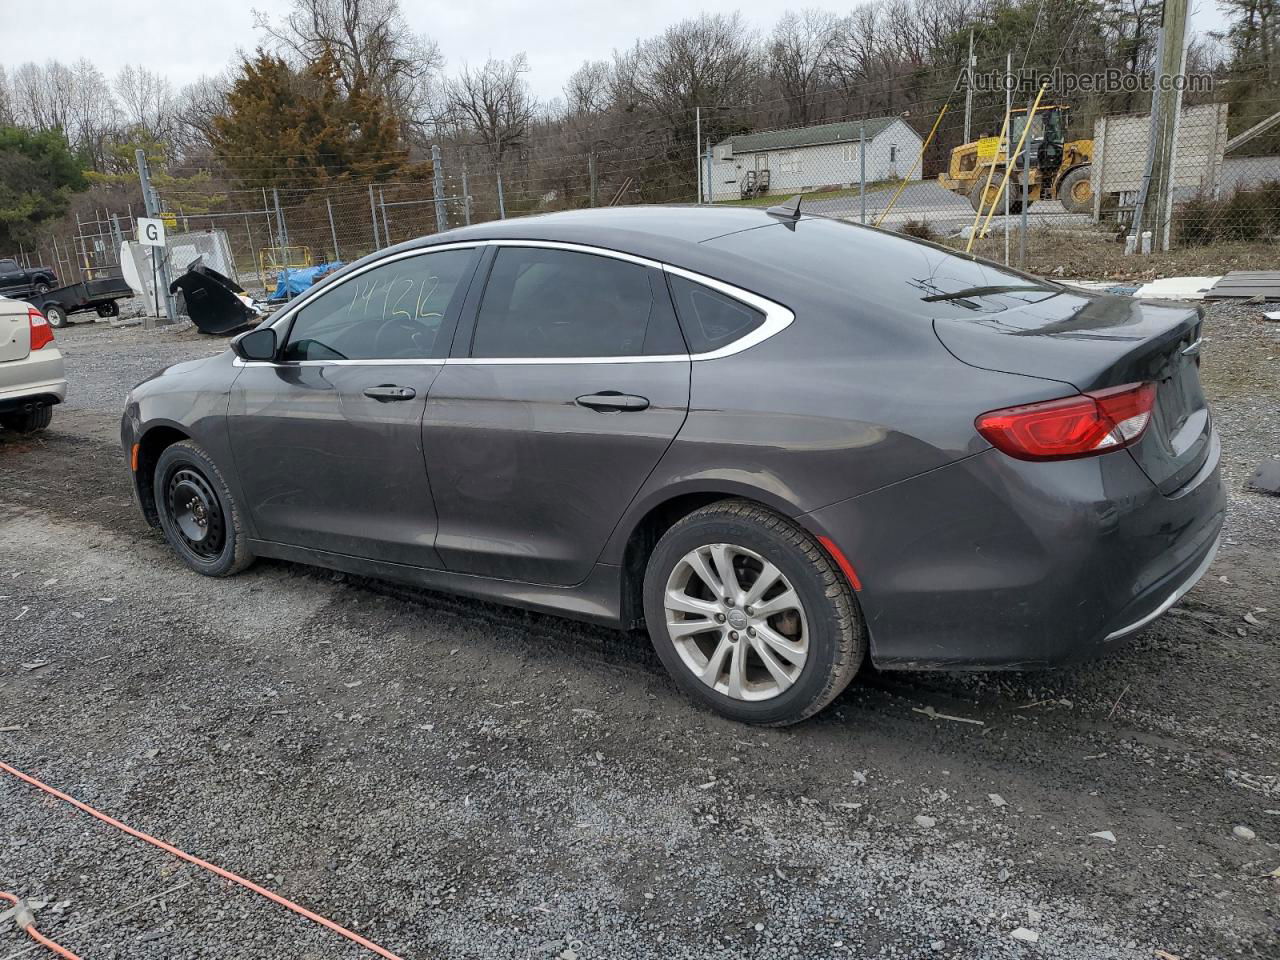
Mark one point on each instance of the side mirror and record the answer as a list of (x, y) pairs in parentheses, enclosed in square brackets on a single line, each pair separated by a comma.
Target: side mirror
[(259, 344)]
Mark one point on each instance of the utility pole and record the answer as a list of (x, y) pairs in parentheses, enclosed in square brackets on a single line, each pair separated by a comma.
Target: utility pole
[(1009, 159), (697, 148), (862, 172), (1166, 109), (710, 198), (595, 184), (160, 254), (437, 184), (282, 235), (968, 88), (1026, 196)]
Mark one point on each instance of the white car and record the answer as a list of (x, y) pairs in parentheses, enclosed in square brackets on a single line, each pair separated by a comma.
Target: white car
[(32, 376)]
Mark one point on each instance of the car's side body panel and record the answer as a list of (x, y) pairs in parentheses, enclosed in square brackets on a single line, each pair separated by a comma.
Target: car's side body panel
[(325, 467), (530, 483)]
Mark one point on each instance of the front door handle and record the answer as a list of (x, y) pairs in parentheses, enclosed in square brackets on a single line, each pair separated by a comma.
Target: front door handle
[(610, 401), (387, 392)]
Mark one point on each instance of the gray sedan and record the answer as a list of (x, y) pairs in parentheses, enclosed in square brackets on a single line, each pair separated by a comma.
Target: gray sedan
[(783, 444)]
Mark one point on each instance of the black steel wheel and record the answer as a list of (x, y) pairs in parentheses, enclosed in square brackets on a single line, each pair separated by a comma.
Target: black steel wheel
[(108, 309), (198, 514)]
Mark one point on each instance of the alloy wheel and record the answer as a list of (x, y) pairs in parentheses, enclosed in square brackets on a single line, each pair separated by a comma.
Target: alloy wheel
[(736, 622)]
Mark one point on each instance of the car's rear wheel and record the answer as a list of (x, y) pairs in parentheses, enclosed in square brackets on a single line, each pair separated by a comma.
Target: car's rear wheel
[(198, 514), (27, 421), (750, 615)]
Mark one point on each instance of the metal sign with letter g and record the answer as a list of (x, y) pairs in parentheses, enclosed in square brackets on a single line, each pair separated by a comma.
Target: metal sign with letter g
[(150, 232)]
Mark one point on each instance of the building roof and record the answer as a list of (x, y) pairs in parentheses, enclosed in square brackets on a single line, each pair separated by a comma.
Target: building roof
[(809, 136)]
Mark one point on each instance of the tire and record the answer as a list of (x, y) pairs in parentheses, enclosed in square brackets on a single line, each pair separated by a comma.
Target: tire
[(56, 314), (109, 309), (822, 631), (1076, 190), (42, 288), (28, 421), (209, 538), (975, 199)]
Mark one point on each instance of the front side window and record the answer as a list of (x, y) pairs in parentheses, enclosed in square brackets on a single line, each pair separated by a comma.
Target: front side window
[(559, 303), (395, 311)]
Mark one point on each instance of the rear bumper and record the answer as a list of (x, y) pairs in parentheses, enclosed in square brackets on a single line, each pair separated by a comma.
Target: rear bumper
[(38, 378), (994, 563)]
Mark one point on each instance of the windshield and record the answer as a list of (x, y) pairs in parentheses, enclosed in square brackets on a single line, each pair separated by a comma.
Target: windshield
[(900, 273)]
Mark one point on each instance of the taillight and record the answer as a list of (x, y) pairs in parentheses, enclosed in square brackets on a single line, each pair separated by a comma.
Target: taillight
[(41, 332), (1078, 426)]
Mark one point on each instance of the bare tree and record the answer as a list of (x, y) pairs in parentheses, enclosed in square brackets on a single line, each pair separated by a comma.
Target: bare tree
[(493, 105), (799, 54), (6, 100), (146, 102), (375, 49), (706, 61), (75, 99), (588, 90)]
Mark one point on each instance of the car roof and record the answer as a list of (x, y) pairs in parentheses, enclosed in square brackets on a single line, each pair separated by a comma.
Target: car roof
[(658, 232)]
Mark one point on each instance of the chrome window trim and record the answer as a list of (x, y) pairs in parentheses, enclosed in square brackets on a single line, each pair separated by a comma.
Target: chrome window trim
[(776, 317)]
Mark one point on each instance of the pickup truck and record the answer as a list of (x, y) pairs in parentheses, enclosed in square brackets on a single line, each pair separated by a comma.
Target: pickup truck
[(17, 280)]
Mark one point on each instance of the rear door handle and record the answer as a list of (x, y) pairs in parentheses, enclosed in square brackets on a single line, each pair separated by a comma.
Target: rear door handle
[(387, 392), (610, 401)]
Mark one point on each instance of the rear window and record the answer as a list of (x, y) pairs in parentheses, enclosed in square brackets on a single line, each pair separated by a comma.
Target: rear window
[(903, 274)]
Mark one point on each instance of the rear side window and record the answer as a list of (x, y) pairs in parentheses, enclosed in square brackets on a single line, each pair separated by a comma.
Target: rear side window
[(710, 319), (560, 303)]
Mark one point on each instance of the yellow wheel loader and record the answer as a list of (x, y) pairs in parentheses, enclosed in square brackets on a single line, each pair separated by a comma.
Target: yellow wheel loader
[(1059, 168)]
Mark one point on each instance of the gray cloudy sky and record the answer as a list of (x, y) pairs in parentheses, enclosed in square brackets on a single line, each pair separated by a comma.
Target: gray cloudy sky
[(557, 35)]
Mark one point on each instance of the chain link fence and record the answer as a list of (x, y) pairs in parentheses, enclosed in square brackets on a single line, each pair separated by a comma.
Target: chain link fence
[(1064, 193)]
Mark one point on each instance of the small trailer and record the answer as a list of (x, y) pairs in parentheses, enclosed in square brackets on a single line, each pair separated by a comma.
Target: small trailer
[(101, 295)]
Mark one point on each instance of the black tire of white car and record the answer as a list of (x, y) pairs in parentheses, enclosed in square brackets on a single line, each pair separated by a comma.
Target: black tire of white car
[(27, 421), (836, 635), (197, 512)]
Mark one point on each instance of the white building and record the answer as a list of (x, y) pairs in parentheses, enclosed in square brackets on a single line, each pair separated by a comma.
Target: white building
[(812, 158)]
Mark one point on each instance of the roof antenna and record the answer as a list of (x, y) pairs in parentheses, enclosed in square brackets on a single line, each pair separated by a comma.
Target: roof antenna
[(786, 211)]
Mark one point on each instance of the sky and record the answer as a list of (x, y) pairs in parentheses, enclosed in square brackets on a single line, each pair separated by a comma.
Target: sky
[(556, 38)]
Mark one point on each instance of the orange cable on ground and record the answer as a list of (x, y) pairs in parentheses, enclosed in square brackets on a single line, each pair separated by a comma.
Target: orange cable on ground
[(212, 868), (30, 927)]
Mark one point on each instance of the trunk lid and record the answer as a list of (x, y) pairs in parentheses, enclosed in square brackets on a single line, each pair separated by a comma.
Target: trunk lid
[(15, 331), (1095, 341)]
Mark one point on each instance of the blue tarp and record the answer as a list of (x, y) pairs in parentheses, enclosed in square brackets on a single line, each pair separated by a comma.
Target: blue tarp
[(294, 281)]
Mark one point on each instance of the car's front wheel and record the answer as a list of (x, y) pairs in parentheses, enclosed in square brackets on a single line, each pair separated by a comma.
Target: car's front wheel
[(750, 615), (198, 514)]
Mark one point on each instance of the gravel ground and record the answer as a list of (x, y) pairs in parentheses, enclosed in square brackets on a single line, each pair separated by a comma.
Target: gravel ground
[(450, 778)]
